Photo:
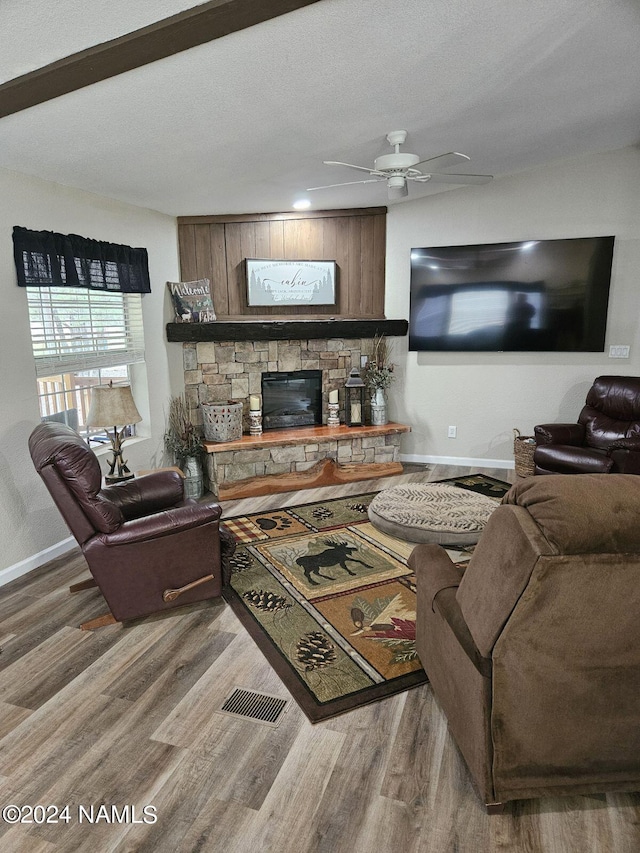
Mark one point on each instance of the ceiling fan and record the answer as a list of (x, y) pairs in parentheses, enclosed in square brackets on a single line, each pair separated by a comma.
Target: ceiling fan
[(399, 168)]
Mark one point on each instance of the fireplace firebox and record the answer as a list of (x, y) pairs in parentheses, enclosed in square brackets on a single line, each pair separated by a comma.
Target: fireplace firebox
[(291, 399)]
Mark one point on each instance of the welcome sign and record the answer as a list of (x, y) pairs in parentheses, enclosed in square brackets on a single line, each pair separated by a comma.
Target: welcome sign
[(271, 282)]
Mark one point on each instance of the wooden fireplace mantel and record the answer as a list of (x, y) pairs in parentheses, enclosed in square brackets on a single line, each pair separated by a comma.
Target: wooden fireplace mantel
[(302, 435), (283, 330)]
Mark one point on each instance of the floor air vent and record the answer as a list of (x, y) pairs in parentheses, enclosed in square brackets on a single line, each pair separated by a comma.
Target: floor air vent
[(259, 707)]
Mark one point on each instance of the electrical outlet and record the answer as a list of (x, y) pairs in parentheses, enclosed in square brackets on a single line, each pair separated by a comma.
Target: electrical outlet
[(618, 351), (453, 432)]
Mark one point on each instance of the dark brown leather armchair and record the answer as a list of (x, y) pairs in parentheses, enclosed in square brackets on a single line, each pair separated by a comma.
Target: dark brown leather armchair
[(533, 652), (147, 548), (606, 438)]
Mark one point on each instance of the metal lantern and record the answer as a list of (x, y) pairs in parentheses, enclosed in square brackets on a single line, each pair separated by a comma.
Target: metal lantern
[(354, 399)]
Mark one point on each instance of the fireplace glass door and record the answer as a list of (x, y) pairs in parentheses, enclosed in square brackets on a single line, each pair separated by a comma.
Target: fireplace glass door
[(291, 399)]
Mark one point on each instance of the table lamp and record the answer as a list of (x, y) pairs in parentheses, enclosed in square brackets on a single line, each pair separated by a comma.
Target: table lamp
[(112, 405)]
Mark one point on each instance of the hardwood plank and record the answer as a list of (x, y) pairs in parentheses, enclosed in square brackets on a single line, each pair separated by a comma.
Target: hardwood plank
[(354, 268), (286, 819), (187, 252), (17, 840), (378, 271), (235, 271), (158, 40), (263, 239), (413, 748), (357, 777), (218, 272), (276, 239), (204, 263), (367, 265), (38, 675), (193, 818), (10, 717), (622, 813)]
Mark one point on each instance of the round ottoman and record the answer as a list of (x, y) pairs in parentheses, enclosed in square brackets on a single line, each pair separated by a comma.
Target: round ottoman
[(431, 512)]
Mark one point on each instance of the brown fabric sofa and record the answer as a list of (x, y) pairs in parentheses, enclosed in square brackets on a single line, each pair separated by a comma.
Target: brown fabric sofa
[(534, 652), (142, 540), (606, 438)]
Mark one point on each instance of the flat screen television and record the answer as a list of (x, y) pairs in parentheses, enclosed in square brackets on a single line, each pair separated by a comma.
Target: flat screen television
[(531, 296)]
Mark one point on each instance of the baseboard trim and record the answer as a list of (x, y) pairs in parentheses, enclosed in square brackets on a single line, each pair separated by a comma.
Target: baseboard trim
[(11, 573), (457, 460)]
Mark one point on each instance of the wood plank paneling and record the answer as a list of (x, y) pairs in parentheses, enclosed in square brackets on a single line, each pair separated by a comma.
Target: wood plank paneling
[(379, 264), (187, 251), (355, 239), (235, 293), (219, 284)]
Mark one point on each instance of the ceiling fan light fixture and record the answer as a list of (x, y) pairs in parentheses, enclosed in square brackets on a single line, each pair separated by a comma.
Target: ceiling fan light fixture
[(396, 182), (301, 204), (397, 192)]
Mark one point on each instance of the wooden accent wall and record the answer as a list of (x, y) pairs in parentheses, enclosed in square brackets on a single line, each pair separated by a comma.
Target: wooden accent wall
[(215, 247)]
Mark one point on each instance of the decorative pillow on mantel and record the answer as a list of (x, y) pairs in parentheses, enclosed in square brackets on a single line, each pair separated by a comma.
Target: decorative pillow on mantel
[(192, 301)]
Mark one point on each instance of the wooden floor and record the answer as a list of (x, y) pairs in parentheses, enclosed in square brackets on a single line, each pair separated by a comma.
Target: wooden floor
[(127, 716)]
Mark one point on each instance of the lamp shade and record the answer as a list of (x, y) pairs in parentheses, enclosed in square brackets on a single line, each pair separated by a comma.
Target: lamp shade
[(112, 405)]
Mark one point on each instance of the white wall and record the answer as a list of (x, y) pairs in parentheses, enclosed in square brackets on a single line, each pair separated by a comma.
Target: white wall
[(487, 394), (29, 522)]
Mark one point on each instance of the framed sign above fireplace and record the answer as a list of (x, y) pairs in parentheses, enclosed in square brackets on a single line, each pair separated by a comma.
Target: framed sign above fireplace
[(282, 283)]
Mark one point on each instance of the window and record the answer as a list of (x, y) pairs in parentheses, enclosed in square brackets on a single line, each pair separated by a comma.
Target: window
[(81, 338)]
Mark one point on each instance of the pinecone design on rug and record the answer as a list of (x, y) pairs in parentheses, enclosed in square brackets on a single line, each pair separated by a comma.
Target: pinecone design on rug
[(321, 513), (315, 650), (267, 601), (240, 561)]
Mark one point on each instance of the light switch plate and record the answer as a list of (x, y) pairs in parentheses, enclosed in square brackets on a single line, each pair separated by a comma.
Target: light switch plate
[(618, 351)]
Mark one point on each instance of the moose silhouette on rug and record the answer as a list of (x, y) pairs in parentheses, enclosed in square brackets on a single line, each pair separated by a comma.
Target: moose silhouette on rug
[(337, 554)]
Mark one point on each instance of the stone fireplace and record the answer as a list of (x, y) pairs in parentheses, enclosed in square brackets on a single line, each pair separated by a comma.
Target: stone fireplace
[(214, 371), (218, 370)]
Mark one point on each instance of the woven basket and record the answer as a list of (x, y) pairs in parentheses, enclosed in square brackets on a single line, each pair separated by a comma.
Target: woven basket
[(222, 421), (523, 449)]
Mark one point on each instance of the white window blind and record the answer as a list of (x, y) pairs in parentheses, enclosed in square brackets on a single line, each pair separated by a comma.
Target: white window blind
[(74, 329)]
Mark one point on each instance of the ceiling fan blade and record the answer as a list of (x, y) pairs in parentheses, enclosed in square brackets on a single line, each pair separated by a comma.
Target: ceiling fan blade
[(345, 184), (443, 161), (351, 166), (460, 179)]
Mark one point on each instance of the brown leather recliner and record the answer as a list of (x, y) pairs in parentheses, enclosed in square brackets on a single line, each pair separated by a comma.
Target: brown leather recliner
[(147, 548), (534, 651), (606, 438)]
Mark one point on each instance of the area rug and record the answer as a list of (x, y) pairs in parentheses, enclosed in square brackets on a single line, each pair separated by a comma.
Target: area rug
[(330, 600)]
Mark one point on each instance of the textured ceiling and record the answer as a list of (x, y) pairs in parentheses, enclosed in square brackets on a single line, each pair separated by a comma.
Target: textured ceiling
[(243, 124)]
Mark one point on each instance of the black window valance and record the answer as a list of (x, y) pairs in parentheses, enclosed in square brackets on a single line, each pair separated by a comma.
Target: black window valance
[(47, 259)]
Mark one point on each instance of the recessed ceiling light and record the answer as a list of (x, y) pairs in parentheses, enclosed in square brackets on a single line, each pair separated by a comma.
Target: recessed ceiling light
[(301, 204)]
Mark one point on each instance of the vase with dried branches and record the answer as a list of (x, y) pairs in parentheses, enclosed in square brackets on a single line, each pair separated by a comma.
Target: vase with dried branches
[(182, 438), (378, 375)]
